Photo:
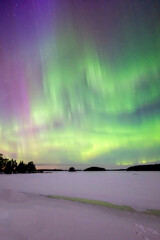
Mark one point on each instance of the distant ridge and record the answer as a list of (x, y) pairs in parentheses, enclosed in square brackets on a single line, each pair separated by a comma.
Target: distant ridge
[(49, 170), (149, 167), (95, 169)]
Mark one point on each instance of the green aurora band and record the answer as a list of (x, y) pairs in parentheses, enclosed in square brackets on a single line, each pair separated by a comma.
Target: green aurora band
[(80, 82)]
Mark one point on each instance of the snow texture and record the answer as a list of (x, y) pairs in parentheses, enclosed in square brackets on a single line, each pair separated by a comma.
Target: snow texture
[(25, 215)]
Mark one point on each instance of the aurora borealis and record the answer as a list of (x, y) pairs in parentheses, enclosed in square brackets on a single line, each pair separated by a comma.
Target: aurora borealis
[(80, 81)]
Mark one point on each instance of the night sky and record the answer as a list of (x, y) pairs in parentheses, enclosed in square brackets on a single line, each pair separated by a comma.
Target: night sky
[(80, 81)]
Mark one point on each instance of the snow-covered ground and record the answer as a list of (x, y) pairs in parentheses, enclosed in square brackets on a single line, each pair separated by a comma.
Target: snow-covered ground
[(25, 215), (140, 190)]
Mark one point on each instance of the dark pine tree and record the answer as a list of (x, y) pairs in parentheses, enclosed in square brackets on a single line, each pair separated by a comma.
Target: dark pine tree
[(3, 162), (31, 167), (14, 165), (8, 168), (21, 168)]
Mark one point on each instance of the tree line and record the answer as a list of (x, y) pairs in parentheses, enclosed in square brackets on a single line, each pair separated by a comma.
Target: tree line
[(11, 166)]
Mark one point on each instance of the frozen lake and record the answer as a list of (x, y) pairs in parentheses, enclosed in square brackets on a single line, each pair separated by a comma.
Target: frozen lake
[(26, 215), (139, 190)]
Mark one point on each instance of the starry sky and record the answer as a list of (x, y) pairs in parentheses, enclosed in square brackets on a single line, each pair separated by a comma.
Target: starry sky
[(80, 82)]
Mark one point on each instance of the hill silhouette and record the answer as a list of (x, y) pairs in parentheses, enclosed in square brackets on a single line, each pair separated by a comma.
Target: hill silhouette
[(149, 167), (95, 169)]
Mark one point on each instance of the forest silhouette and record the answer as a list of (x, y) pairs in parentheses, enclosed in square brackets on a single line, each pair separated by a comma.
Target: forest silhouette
[(11, 166)]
